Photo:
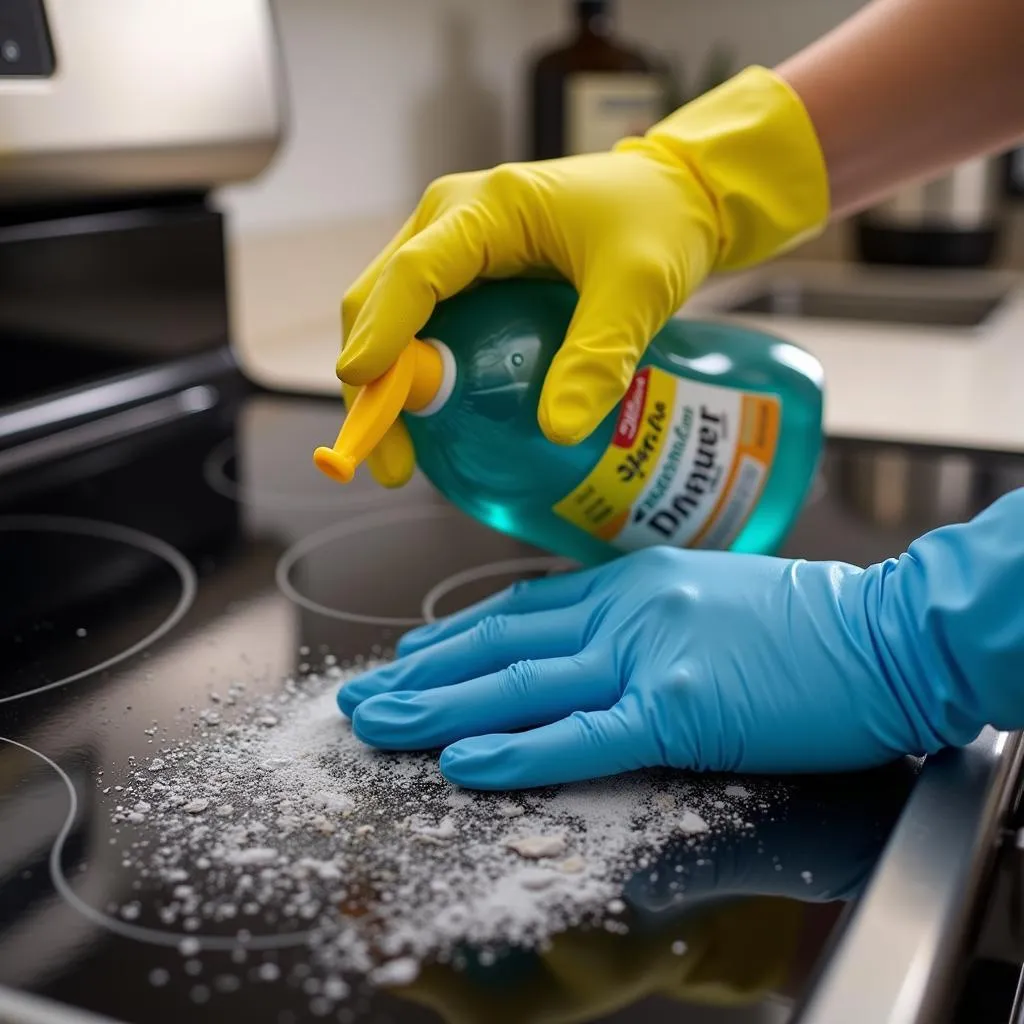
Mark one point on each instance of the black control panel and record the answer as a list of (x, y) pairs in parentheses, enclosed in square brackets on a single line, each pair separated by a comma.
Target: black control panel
[(26, 50)]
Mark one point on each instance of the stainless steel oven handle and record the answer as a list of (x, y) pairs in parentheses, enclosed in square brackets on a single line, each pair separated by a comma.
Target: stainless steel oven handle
[(894, 961)]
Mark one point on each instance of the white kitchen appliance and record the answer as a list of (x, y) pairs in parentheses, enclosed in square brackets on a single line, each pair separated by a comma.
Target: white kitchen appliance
[(117, 96)]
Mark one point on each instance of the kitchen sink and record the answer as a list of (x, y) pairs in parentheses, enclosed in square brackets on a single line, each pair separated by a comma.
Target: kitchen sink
[(950, 302), (794, 298)]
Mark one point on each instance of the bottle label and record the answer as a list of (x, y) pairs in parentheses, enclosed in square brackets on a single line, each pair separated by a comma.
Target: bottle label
[(685, 467), (602, 108)]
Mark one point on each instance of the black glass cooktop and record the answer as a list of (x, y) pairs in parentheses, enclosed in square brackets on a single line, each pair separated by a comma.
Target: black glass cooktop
[(204, 551)]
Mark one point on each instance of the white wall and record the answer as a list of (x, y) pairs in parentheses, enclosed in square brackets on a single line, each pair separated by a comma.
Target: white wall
[(384, 93), (388, 94)]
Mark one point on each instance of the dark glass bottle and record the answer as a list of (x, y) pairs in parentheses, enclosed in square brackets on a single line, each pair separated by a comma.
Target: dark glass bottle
[(593, 91)]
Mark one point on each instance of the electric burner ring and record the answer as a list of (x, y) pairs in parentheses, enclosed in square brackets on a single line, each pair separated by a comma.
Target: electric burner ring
[(139, 933), (122, 535), (482, 572), (218, 480), (338, 531)]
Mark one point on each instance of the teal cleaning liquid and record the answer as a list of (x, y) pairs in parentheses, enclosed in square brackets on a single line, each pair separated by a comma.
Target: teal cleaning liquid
[(715, 444)]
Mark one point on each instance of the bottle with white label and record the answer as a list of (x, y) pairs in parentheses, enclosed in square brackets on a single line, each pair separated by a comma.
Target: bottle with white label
[(715, 445), (593, 91)]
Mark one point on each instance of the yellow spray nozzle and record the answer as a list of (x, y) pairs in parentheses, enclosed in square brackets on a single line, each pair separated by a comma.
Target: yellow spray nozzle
[(335, 465), (412, 383)]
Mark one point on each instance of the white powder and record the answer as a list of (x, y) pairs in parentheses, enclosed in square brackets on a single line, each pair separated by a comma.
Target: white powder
[(374, 855), (692, 823), (437, 833), (397, 972), (536, 880), (335, 988), (334, 803), (535, 847), (252, 855)]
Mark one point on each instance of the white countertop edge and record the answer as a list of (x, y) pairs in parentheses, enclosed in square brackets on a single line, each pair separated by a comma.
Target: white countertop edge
[(884, 382), (947, 386)]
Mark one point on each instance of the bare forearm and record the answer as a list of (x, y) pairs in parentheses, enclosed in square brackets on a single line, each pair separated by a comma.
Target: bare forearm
[(906, 88)]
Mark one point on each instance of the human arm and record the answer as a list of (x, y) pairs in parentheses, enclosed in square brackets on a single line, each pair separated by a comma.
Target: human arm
[(906, 88), (717, 661)]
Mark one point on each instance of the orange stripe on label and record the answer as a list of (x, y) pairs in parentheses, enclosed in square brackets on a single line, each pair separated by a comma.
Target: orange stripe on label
[(759, 436)]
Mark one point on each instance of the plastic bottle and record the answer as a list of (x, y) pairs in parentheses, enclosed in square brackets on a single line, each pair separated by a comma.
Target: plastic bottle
[(715, 444)]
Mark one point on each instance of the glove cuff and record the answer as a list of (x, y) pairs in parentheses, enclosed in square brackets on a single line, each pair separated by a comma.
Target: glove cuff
[(751, 144), (949, 620)]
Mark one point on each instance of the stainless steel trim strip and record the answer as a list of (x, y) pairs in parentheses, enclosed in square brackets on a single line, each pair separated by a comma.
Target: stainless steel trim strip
[(894, 962), (159, 412), (1017, 1010), (33, 419), (21, 1008)]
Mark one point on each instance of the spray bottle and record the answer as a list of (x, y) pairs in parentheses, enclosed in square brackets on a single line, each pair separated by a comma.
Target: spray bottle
[(714, 445)]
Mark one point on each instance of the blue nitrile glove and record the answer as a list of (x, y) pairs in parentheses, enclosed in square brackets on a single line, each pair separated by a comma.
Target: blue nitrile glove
[(713, 660)]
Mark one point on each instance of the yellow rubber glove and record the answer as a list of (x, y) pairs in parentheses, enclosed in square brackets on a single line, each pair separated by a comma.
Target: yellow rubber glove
[(727, 181)]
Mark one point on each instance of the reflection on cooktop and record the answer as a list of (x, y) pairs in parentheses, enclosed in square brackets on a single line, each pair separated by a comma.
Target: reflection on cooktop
[(81, 596), (201, 576), (222, 473), (276, 473)]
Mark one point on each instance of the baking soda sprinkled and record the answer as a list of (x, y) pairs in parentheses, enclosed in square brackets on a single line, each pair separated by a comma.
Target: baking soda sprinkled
[(692, 823), (275, 819)]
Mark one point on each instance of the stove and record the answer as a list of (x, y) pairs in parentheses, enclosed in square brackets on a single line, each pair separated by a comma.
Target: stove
[(177, 558), (165, 537)]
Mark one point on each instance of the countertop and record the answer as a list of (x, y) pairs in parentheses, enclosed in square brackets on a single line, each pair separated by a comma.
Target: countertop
[(884, 381)]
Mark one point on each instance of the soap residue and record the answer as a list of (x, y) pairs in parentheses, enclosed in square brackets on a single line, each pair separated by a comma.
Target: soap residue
[(277, 819)]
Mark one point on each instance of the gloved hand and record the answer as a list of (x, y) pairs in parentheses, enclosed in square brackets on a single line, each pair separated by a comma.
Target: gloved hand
[(727, 181), (715, 660)]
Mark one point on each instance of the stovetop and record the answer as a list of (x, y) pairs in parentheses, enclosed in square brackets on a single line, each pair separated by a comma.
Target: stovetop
[(202, 548)]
